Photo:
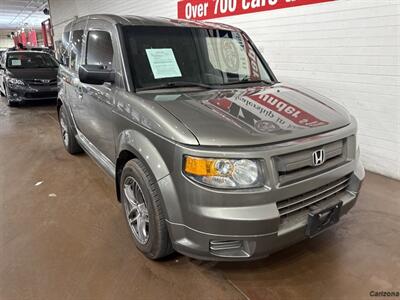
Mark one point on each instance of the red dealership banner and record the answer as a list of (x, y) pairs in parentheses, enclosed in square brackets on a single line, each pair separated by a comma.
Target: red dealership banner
[(210, 9)]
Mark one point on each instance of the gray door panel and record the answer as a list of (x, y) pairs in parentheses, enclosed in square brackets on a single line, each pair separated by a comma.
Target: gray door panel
[(73, 86), (98, 100)]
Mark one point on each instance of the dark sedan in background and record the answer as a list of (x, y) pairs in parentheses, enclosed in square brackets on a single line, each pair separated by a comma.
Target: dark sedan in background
[(28, 75)]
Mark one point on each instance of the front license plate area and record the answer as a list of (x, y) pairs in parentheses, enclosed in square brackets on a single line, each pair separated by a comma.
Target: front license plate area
[(321, 219)]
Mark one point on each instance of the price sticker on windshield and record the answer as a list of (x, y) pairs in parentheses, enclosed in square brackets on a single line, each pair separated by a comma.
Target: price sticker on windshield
[(163, 63), (15, 62)]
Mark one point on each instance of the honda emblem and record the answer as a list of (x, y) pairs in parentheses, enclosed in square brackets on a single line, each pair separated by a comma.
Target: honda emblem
[(318, 157)]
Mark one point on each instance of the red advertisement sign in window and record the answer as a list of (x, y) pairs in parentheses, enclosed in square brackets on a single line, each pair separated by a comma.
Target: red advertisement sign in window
[(209, 9)]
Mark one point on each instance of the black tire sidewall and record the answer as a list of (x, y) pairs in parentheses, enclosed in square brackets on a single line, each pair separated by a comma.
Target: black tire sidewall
[(133, 169), (73, 146), (9, 102)]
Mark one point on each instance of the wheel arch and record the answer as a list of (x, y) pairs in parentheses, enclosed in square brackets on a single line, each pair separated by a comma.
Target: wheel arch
[(60, 98), (59, 104), (132, 144)]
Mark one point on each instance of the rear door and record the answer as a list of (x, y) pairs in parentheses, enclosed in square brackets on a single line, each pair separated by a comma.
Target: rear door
[(62, 54), (98, 99), (73, 86)]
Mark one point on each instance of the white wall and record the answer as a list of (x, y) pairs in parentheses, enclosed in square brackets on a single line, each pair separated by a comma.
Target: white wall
[(5, 41), (348, 50)]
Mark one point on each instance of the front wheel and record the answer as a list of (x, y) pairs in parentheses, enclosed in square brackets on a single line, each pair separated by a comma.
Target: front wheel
[(141, 205), (10, 102)]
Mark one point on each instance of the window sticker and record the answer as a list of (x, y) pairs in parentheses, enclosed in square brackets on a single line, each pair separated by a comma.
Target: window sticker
[(228, 55), (163, 63), (15, 62)]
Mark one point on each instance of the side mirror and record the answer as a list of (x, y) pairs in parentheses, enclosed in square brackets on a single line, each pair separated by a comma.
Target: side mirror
[(95, 74)]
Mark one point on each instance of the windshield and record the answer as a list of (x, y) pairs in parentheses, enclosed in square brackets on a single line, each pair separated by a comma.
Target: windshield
[(30, 60), (181, 55)]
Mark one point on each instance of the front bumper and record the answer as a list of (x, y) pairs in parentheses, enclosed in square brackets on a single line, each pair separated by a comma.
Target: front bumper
[(27, 93), (212, 246), (213, 224)]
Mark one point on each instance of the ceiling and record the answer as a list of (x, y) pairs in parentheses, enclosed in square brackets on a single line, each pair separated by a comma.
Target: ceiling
[(15, 14)]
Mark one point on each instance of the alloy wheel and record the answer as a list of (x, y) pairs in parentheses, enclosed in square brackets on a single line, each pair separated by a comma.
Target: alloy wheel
[(64, 131), (136, 210)]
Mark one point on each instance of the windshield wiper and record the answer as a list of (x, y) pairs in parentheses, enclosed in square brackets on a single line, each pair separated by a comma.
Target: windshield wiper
[(174, 84), (249, 81)]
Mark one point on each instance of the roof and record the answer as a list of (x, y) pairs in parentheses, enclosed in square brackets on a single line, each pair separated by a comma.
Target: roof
[(24, 50), (157, 21)]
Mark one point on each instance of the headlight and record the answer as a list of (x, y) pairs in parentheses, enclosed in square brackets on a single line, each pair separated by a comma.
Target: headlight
[(15, 81), (224, 173)]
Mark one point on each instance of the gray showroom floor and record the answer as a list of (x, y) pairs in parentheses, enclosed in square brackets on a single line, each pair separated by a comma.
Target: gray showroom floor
[(62, 236)]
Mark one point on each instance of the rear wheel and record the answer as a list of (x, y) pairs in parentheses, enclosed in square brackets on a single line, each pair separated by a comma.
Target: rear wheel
[(141, 204), (67, 133)]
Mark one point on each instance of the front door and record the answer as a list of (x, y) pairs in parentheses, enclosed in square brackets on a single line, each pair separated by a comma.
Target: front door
[(98, 99)]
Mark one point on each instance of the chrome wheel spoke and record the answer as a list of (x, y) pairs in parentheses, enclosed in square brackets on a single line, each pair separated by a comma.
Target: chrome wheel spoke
[(133, 220), (133, 213), (64, 131), (136, 210), (130, 195), (141, 228), (145, 214), (132, 203), (146, 218)]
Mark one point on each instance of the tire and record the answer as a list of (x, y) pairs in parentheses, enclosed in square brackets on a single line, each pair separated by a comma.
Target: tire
[(9, 102), (67, 133), (12, 103), (137, 184)]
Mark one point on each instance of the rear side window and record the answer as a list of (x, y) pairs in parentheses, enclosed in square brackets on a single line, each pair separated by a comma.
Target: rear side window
[(76, 49), (62, 49), (99, 49)]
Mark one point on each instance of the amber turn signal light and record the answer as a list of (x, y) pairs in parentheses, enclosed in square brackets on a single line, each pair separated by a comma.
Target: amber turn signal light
[(200, 166)]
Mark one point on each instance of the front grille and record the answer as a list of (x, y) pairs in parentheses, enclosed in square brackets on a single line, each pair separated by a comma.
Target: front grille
[(41, 95), (317, 197), (298, 165), (39, 82)]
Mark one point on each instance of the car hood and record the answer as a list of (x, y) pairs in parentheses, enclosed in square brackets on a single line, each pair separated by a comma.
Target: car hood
[(253, 115), (37, 73)]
